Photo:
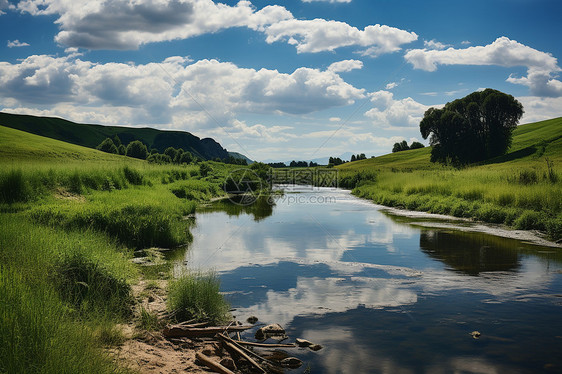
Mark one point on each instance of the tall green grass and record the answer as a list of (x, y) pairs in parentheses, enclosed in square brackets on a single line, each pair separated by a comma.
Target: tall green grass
[(523, 199), (42, 330), (196, 296), (68, 233), (38, 335)]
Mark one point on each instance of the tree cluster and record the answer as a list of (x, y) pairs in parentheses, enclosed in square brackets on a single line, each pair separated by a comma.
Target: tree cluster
[(335, 161), (358, 157), (136, 148), (234, 161), (474, 128), (403, 146), (171, 155), (302, 164), (112, 146), (277, 165)]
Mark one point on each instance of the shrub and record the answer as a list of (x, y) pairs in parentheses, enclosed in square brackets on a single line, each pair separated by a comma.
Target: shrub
[(460, 209), (204, 169), (529, 220), (554, 228), (492, 214), (133, 176)]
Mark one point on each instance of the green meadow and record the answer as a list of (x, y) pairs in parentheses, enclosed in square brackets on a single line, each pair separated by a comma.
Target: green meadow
[(71, 219), (522, 189)]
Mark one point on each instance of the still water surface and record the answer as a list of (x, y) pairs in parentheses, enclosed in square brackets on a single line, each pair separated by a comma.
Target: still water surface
[(380, 294)]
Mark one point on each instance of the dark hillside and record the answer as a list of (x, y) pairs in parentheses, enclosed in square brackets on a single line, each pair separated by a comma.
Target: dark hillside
[(89, 135)]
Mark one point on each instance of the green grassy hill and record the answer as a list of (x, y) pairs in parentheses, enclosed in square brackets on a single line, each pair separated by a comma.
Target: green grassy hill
[(20, 146), (522, 189), (91, 135), (530, 143)]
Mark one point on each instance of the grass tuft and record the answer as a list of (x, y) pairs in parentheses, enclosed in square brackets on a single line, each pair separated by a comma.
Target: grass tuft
[(14, 188), (196, 295)]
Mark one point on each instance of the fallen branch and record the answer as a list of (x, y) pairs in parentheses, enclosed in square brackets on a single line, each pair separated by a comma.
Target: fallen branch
[(197, 332), (212, 364), (229, 344), (265, 345)]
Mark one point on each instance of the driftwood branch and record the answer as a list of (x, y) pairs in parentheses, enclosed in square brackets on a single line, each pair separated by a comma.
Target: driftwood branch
[(212, 364), (241, 351), (198, 332), (265, 345)]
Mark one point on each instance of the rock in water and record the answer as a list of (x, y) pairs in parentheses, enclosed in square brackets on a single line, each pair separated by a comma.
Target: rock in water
[(270, 331), (475, 334), (291, 362), (252, 319), (303, 342)]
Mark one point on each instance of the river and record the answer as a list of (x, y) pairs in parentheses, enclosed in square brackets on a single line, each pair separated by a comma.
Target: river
[(380, 294)]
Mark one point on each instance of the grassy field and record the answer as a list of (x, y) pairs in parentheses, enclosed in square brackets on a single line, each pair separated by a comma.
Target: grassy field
[(71, 219), (522, 189)]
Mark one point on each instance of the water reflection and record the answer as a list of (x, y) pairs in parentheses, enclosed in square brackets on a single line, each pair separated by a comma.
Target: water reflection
[(382, 295), (235, 206), (469, 253)]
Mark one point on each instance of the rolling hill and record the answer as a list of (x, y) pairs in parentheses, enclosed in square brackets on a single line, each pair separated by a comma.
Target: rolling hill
[(19, 146), (530, 141), (90, 136)]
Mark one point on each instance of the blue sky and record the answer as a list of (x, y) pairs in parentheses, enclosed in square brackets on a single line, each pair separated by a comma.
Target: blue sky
[(276, 80)]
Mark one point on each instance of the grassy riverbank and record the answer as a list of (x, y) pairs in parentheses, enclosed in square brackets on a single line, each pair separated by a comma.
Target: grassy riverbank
[(71, 219), (522, 189)]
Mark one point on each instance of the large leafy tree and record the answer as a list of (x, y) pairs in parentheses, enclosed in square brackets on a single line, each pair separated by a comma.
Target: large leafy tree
[(108, 146), (474, 128), (137, 149)]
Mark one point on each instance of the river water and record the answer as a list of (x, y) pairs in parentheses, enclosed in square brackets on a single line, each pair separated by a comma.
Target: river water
[(380, 294)]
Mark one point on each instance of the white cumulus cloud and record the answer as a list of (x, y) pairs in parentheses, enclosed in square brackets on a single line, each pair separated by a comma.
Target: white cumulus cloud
[(434, 44), (175, 93), (16, 43), (320, 35), (116, 24), (391, 85), (542, 67), (345, 66), (389, 112)]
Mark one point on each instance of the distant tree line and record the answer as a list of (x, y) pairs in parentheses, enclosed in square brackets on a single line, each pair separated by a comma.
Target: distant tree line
[(293, 164), (171, 155), (403, 146)]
